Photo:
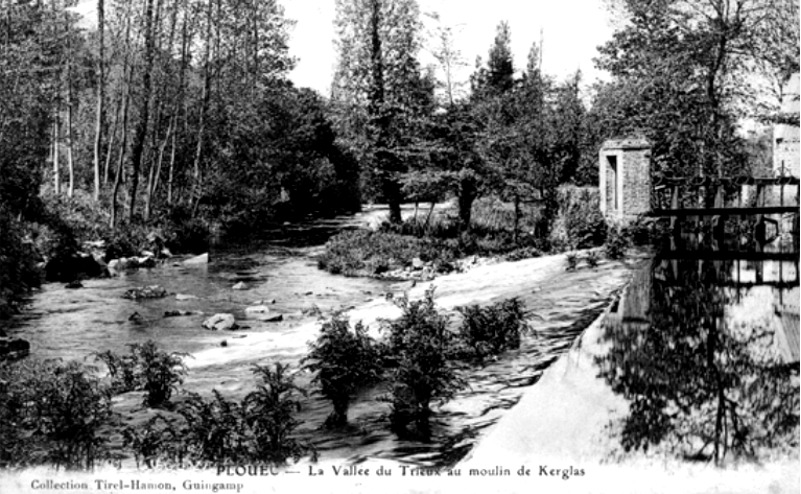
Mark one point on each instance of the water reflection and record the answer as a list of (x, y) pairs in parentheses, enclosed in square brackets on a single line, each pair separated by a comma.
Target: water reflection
[(706, 351)]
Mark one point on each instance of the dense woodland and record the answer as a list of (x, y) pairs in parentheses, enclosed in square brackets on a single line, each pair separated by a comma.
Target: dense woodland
[(176, 118)]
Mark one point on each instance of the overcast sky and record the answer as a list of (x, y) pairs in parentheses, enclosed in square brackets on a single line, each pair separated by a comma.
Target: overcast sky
[(572, 30)]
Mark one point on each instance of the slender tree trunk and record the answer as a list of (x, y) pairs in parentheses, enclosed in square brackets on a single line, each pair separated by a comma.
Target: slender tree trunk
[(101, 84), (195, 196), (126, 96), (112, 138), (467, 194), (144, 110), (179, 104), (516, 230), (56, 167), (70, 159), (123, 145)]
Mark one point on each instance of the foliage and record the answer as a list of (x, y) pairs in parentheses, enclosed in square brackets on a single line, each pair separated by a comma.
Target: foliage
[(683, 73), (579, 223), (52, 413), (593, 257), (268, 412), (214, 431), (145, 368), (18, 273), (618, 240), (491, 330), (380, 93), (571, 261), (359, 251), (419, 343), (343, 361)]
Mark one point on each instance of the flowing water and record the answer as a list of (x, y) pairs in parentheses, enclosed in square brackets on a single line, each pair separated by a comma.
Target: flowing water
[(281, 267)]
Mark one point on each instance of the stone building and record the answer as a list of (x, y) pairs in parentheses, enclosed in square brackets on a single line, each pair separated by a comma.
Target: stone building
[(625, 178)]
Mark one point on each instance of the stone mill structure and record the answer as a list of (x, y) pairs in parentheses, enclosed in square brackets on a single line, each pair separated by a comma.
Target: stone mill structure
[(625, 178)]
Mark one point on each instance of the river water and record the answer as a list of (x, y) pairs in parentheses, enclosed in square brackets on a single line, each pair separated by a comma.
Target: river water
[(280, 270)]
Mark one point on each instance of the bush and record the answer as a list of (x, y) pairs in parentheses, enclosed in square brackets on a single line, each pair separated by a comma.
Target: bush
[(491, 330), (579, 223), (593, 258), (419, 343), (343, 360), (216, 431), (51, 413), (618, 241), (571, 261), (269, 412), (18, 273), (146, 368), (365, 252)]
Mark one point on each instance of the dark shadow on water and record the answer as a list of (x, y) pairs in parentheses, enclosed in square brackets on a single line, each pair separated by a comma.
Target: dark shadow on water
[(706, 352)]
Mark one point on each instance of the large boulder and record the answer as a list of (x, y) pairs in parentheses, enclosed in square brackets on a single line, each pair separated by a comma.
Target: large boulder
[(200, 260), (13, 348), (220, 322)]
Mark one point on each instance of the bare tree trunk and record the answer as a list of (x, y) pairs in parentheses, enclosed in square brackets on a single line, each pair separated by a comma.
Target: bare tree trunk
[(126, 95), (56, 167), (179, 102), (112, 138), (195, 196), (70, 160), (121, 158), (101, 83), (144, 110)]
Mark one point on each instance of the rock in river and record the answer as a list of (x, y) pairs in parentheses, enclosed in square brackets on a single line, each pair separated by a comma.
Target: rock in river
[(13, 348), (262, 313), (143, 292), (240, 286), (178, 313), (219, 322), (197, 260)]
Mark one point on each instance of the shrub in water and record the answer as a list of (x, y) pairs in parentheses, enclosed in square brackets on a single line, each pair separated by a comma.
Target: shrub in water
[(269, 411), (493, 329), (146, 368), (215, 430), (593, 258), (160, 372), (121, 369), (343, 361), (420, 343), (571, 260)]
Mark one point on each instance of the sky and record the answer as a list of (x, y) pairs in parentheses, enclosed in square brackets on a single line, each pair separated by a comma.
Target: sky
[(571, 32)]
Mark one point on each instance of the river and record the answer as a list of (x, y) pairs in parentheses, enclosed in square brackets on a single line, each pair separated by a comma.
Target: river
[(281, 267)]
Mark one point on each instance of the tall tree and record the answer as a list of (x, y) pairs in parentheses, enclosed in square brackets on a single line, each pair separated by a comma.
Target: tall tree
[(379, 88), (100, 95), (144, 107)]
